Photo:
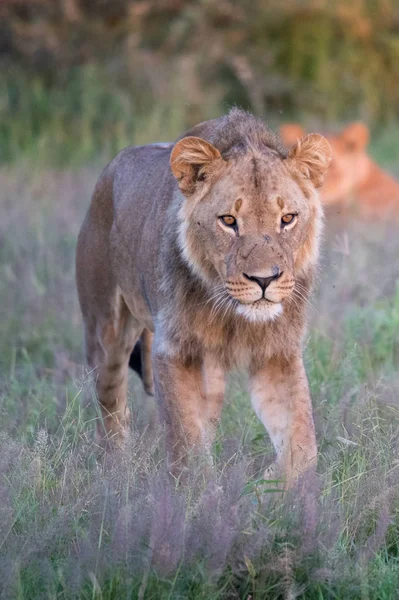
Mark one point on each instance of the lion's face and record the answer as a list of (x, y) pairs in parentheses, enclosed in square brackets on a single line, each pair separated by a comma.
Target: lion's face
[(249, 226), (350, 164)]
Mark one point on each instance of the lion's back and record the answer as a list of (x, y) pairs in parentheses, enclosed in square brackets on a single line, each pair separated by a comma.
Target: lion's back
[(120, 237), (138, 171)]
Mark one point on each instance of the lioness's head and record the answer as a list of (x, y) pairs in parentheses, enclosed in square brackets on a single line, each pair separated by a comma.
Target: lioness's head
[(350, 165), (250, 218)]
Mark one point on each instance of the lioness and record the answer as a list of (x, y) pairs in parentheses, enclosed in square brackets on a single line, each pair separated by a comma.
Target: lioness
[(354, 177), (210, 244)]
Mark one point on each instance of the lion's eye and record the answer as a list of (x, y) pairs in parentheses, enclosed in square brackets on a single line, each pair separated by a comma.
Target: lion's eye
[(229, 221), (287, 219)]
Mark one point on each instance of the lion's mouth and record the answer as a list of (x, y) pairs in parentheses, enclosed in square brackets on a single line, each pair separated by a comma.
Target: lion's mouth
[(261, 302), (264, 300), (255, 303)]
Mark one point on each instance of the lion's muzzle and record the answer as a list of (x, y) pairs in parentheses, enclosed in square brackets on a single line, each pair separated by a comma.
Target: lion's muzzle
[(264, 282), (251, 289)]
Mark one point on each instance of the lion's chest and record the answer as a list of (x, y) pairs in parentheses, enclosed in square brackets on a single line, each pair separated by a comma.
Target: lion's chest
[(237, 344)]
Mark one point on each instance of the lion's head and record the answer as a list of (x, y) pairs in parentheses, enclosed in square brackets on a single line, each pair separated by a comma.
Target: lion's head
[(250, 218), (350, 165)]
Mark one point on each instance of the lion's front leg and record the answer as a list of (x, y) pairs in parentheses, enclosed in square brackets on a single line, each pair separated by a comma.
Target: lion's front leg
[(281, 399), (179, 389)]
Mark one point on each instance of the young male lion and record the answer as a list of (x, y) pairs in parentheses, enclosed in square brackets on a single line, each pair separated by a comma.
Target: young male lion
[(353, 178), (211, 244)]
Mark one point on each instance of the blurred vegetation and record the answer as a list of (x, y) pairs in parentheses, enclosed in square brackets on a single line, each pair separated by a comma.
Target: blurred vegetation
[(85, 74)]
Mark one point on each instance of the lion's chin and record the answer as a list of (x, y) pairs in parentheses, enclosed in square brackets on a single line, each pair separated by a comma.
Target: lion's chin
[(260, 311)]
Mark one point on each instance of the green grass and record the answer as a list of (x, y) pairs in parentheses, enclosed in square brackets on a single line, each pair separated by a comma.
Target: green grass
[(75, 526), (88, 115), (85, 116)]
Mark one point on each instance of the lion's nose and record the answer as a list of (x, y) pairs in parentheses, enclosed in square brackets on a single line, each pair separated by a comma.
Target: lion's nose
[(263, 282)]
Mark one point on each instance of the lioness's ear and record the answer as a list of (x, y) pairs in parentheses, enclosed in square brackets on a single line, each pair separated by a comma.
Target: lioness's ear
[(190, 159), (290, 133), (311, 156), (355, 137)]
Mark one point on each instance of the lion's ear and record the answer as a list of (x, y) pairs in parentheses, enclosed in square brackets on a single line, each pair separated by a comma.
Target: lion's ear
[(190, 159), (290, 133), (311, 156), (355, 137)]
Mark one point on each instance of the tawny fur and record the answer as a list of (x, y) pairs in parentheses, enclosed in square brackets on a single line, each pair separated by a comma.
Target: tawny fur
[(354, 178), (155, 257)]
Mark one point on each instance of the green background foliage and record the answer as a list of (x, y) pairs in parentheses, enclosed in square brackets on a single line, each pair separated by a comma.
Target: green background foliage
[(87, 74)]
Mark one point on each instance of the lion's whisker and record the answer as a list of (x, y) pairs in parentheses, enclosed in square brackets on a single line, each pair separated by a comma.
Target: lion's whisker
[(302, 299), (229, 307), (217, 306), (300, 286), (217, 295)]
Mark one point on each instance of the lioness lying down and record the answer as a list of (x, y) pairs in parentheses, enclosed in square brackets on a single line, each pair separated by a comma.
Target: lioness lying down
[(207, 248), (354, 178)]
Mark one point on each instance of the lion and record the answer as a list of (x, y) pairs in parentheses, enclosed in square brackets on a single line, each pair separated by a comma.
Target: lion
[(353, 178), (196, 258)]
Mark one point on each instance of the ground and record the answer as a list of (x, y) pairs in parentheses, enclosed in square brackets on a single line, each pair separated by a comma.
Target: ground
[(75, 526)]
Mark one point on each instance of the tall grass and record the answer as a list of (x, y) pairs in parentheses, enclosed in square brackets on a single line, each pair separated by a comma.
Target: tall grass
[(84, 117), (88, 115), (76, 524)]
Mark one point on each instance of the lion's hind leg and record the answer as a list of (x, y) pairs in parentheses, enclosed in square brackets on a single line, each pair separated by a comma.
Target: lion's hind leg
[(109, 343)]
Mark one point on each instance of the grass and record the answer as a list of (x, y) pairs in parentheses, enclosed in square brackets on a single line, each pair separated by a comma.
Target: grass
[(75, 526), (88, 114)]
